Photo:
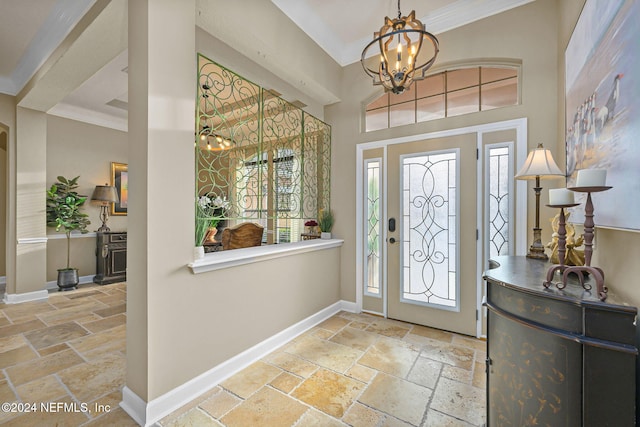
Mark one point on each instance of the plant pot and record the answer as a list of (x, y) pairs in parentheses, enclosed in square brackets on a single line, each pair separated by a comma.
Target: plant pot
[(68, 279), (198, 252), (325, 235)]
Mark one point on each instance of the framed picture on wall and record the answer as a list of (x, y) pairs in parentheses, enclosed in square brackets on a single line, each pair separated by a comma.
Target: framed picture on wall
[(120, 180), (602, 105)]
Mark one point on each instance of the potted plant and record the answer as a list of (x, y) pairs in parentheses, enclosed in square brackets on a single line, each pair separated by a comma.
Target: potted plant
[(210, 210), (325, 222), (63, 212)]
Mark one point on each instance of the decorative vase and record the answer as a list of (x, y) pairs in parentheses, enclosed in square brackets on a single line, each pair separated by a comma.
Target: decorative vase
[(198, 252), (325, 235), (211, 235), (68, 279)]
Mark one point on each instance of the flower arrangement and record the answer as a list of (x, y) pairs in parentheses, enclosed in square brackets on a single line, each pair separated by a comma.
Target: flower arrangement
[(210, 210), (311, 226)]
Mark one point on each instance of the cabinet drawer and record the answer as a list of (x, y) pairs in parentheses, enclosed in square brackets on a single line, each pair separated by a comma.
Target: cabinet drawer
[(113, 238)]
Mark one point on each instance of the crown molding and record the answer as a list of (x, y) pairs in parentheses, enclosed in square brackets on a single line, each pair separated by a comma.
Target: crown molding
[(64, 15), (80, 114)]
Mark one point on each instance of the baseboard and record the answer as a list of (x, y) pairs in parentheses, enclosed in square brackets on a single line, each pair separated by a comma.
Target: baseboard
[(349, 306), (134, 405), (146, 414), (25, 297)]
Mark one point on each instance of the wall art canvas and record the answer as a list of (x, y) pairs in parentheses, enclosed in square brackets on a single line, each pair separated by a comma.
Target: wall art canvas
[(120, 180), (603, 109)]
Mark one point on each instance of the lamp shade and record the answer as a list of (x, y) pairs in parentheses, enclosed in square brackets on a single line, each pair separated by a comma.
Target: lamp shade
[(540, 164), (105, 193)]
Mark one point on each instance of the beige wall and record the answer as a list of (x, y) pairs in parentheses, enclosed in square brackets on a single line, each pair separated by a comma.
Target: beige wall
[(615, 251), (218, 51), (277, 45), (80, 149), (527, 34), (224, 312), (31, 159)]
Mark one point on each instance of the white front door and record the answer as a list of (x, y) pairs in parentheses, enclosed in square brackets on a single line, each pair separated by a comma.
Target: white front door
[(431, 266), (434, 210)]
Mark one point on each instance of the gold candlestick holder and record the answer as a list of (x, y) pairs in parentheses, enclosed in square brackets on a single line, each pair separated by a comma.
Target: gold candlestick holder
[(562, 247), (589, 224)]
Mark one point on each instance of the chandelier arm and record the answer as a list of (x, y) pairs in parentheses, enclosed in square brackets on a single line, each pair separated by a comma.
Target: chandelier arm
[(431, 37)]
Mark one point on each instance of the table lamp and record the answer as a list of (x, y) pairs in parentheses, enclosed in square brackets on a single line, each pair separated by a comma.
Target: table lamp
[(539, 164), (105, 194)]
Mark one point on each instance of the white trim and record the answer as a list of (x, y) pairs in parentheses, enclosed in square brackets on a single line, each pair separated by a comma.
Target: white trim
[(385, 229), (134, 405), (25, 297), (93, 117), (73, 235), (64, 16), (146, 414), (481, 164), (349, 306), (521, 191), (226, 259), (359, 230), (31, 240)]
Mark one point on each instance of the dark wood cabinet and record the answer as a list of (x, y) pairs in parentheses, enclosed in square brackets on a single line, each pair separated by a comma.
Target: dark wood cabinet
[(111, 257), (556, 357)]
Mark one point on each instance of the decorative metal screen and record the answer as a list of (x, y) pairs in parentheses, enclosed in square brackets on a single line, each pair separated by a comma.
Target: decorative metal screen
[(429, 228), (498, 192), (268, 158), (373, 228)]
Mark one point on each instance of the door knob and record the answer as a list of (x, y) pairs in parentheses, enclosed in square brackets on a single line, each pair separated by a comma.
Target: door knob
[(392, 240)]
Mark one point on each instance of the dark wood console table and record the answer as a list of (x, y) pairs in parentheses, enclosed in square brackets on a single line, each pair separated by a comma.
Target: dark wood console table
[(556, 357), (111, 257)]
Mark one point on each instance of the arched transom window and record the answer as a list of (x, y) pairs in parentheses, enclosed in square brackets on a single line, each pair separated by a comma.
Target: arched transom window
[(449, 93)]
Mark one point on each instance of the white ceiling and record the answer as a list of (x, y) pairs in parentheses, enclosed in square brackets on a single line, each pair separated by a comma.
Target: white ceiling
[(344, 27), (31, 30)]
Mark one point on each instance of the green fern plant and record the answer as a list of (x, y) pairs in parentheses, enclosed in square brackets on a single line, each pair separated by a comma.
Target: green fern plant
[(326, 220)]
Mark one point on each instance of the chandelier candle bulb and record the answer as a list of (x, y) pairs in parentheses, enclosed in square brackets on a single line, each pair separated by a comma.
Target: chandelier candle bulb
[(560, 196), (591, 178)]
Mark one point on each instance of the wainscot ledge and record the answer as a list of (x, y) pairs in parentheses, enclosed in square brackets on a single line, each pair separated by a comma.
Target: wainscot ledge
[(233, 258)]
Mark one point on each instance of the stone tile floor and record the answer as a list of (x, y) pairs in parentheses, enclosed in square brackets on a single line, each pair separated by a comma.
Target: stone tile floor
[(67, 350), (352, 369)]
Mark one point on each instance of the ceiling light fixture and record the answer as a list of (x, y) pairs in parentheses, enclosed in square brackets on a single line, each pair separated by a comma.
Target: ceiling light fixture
[(403, 57), (206, 134)]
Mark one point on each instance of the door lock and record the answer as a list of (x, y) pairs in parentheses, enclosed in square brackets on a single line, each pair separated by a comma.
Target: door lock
[(392, 240)]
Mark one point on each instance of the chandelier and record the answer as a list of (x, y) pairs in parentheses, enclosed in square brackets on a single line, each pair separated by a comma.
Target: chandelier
[(205, 135), (402, 57)]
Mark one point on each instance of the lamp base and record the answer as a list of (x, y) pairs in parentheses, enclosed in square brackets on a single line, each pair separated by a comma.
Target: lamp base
[(104, 216), (536, 251)]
